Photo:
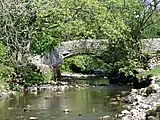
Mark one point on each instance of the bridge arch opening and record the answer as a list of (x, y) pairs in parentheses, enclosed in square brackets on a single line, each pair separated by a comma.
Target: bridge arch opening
[(82, 63)]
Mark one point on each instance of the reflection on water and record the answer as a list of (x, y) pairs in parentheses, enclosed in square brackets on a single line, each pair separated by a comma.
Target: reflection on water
[(85, 104)]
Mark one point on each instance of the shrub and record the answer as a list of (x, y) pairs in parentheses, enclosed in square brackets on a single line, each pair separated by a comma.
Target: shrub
[(26, 76), (5, 69)]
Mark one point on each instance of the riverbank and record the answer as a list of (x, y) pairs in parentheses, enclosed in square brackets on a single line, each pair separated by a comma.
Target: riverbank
[(55, 86), (142, 104), (6, 94), (75, 75)]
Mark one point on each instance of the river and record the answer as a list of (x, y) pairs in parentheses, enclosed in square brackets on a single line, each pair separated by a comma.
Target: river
[(84, 104)]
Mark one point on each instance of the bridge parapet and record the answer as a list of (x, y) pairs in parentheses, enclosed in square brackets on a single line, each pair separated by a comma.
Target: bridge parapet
[(81, 46)]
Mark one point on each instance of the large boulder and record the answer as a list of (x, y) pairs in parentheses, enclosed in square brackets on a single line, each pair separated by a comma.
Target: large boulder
[(153, 88)]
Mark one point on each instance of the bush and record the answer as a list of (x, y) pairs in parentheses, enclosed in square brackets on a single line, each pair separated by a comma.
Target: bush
[(26, 76), (5, 69), (5, 76)]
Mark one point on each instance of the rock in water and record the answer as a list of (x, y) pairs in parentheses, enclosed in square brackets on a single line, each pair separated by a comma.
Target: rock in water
[(105, 117), (114, 103), (151, 118), (33, 118), (66, 110), (48, 97)]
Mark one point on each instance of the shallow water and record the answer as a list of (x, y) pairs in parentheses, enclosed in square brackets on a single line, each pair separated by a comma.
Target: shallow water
[(84, 104)]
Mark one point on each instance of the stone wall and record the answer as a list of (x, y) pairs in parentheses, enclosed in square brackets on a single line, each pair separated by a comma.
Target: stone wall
[(151, 44)]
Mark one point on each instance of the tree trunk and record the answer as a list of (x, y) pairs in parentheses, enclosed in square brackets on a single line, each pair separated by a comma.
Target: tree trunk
[(56, 73)]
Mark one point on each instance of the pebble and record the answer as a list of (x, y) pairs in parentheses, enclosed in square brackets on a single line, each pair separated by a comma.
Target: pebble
[(114, 103), (118, 98), (79, 114), (48, 97), (10, 108), (33, 118), (66, 110), (125, 112), (151, 118), (117, 95), (113, 99)]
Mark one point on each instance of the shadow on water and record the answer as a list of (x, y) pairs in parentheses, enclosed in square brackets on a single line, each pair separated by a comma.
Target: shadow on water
[(85, 104)]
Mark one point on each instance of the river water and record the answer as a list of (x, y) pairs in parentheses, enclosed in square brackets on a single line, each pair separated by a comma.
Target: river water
[(84, 104)]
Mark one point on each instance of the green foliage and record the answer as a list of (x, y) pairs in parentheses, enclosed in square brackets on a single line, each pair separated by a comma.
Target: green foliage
[(126, 66), (47, 23), (152, 32), (85, 62), (26, 76), (73, 20), (31, 75), (48, 76), (4, 58), (155, 72), (5, 71), (5, 76), (16, 22), (115, 20)]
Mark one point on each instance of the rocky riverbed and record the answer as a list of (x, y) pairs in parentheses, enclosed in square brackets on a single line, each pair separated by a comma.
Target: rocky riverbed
[(57, 87), (6, 94), (142, 104)]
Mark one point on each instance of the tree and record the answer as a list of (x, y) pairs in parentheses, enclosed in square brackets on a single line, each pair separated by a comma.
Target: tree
[(139, 17), (152, 32), (122, 22), (16, 27), (73, 20), (145, 15)]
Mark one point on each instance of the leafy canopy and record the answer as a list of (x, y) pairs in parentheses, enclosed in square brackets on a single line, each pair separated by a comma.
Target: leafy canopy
[(65, 20)]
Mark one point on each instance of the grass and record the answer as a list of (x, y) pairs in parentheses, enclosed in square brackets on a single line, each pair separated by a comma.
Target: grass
[(155, 72)]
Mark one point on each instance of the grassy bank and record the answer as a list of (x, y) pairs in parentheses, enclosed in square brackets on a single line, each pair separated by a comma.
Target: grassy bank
[(155, 72)]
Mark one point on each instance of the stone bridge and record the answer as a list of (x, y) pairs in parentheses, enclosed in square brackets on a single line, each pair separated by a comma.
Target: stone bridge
[(89, 46), (71, 48)]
